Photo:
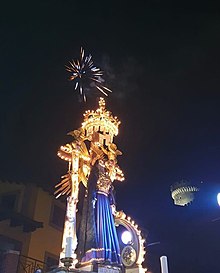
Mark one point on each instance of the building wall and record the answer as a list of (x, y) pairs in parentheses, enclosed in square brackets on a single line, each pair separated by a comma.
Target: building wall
[(36, 204), (47, 239), (15, 233)]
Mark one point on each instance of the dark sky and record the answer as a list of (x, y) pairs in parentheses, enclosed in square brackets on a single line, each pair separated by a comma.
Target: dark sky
[(163, 65)]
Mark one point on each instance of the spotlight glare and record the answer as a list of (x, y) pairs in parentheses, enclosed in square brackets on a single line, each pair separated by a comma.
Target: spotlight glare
[(218, 198), (126, 237)]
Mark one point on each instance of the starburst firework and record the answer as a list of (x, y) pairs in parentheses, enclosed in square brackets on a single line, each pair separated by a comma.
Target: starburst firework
[(86, 75)]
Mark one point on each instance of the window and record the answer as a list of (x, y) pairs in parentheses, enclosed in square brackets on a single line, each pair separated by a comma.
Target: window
[(7, 243), (51, 261), (57, 217), (8, 201)]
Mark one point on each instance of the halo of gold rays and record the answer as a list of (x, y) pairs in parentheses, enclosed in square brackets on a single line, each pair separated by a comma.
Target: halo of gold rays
[(64, 186), (84, 70)]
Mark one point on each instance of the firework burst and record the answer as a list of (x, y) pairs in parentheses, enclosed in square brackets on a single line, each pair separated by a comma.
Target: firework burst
[(86, 75)]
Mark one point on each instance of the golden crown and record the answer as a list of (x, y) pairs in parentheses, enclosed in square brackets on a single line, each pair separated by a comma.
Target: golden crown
[(101, 121)]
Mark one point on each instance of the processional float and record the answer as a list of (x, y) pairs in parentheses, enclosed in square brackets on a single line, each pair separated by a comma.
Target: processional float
[(92, 161)]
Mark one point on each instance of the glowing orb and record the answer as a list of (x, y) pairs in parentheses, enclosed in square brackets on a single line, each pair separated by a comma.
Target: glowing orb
[(38, 271), (126, 237), (218, 198)]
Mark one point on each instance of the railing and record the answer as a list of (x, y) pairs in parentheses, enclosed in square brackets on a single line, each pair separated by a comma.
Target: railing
[(30, 265)]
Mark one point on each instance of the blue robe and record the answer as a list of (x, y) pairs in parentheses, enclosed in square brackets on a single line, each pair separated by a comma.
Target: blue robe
[(98, 240)]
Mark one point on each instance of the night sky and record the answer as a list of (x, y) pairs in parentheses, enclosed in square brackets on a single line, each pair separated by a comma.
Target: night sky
[(163, 65)]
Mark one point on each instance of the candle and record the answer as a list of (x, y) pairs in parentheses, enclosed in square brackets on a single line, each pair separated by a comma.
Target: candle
[(69, 242), (164, 265)]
